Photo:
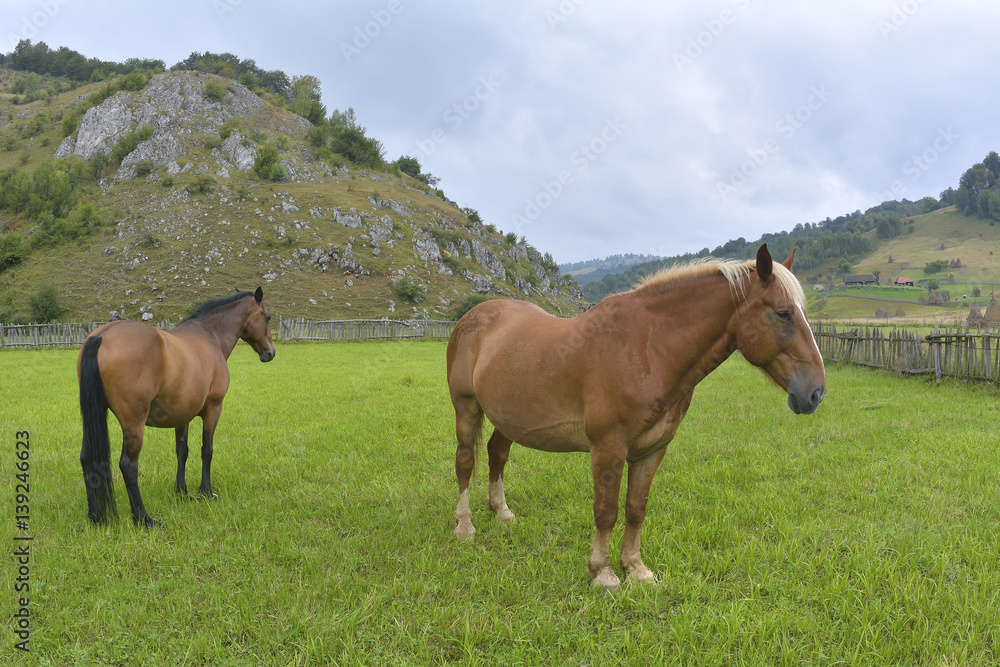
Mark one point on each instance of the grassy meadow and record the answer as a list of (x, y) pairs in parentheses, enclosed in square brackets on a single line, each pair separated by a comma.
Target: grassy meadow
[(865, 534)]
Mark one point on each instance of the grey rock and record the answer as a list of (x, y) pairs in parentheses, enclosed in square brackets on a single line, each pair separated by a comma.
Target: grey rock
[(426, 248), (488, 260), (349, 220), (381, 231)]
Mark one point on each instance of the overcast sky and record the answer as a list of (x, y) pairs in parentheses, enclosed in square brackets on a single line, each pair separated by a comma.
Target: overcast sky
[(596, 127)]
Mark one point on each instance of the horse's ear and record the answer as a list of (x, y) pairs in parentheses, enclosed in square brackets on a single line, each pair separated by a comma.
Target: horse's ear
[(259, 295), (764, 264), (788, 262)]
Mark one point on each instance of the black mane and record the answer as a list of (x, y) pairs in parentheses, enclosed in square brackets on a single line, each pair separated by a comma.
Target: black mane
[(211, 304)]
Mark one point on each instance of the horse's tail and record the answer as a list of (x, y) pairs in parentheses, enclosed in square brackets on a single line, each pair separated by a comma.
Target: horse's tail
[(95, 456)]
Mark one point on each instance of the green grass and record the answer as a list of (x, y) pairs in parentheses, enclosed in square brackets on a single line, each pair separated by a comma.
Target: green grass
[(866, 534)]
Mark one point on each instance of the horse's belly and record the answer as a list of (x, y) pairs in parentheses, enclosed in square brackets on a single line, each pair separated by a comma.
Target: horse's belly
[(166, 415), (557, 438)]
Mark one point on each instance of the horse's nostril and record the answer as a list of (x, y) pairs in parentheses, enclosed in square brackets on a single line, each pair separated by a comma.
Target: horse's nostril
[(817, 395)]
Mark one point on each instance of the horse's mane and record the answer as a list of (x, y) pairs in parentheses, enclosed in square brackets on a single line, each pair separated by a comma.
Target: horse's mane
[(734, 271), (211, 304)]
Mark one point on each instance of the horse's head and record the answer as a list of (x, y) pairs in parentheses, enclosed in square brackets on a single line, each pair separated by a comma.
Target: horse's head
[(256, 331), (773, 334)]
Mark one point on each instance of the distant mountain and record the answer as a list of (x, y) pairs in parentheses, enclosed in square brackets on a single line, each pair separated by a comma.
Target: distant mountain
[(151, 192), (595, 269)]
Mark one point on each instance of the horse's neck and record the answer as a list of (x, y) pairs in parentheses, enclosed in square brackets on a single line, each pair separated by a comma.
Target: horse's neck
[(225, 324), (698, 316)]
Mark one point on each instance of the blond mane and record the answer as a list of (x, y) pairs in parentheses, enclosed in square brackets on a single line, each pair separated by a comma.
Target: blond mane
[(734, 271)]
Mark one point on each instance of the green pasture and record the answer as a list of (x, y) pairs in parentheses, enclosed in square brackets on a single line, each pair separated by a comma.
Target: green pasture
[(865, 534)]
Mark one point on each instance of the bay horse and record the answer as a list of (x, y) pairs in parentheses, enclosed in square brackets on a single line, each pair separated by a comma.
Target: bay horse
[(149, 377), (617, 380)]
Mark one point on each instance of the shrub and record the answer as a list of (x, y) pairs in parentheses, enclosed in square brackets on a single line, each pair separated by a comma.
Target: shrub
[(408, 290), (129, 142), (11, 250), (267, 163), (98, 164), (202, 184), (215, 92), (510, 238), (144, 167), (167, 182), (468, 303), (937, 266), (228, 127), (45, 305)]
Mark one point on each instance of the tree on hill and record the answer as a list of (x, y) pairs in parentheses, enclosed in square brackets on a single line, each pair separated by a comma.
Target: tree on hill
[(978, 190), (305, 95), (65, 62)]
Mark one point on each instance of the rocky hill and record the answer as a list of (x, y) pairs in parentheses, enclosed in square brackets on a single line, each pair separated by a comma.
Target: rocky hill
[(189, 219)]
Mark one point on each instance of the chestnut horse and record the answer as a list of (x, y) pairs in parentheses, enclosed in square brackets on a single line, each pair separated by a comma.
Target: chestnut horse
[(617, 380), (149, 377)]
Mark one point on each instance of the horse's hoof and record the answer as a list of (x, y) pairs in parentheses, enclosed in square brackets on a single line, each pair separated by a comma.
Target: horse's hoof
[(607, 580), (147, 522), (506, 516), (465, 532), (641, 575)]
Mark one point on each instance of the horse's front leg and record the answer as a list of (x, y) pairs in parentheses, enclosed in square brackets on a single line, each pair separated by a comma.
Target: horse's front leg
[(640, 477), (209, 420), (181, 440), (607, 463)]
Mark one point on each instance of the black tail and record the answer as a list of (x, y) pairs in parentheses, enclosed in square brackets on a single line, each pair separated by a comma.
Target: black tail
[(95, 456)]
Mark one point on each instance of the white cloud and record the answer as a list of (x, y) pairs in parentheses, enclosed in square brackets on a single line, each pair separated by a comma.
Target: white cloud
[(898, 72)]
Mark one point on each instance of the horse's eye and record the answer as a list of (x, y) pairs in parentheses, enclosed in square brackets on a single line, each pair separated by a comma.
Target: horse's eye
[(784, 316)]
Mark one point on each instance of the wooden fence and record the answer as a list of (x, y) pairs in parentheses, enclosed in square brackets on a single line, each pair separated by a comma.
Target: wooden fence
[(962, 354), (73, 334), (61, 334), (339, 330)]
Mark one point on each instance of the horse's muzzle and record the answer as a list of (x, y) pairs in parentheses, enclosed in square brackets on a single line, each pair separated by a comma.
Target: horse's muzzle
[(267, 355), (806, 403)]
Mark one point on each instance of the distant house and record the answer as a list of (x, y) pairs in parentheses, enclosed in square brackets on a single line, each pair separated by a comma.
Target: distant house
[(903, 280), (861, 279)]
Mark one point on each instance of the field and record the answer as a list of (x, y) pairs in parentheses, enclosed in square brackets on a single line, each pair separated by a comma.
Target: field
[(866, 534)]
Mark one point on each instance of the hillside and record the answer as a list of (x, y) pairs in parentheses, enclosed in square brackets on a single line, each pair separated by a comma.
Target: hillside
[(972, 240), (180, 215)]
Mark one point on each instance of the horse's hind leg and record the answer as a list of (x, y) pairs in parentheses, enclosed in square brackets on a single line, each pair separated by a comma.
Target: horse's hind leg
[(181, 440), (129, 465), (469, 431), (498, 449)]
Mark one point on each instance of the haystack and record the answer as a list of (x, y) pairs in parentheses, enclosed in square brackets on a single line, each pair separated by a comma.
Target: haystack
[(899, 311), (991, 317), (975, 316), (879, 314)]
